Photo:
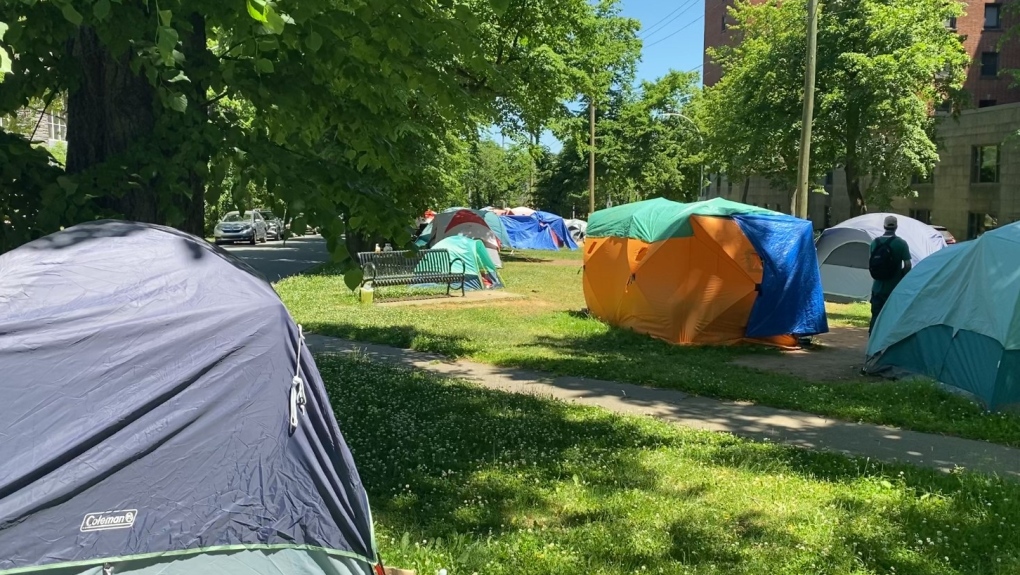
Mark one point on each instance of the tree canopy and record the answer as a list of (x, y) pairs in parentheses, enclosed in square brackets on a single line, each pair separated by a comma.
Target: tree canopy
[(350, 113), (883, 68), (646, 146)]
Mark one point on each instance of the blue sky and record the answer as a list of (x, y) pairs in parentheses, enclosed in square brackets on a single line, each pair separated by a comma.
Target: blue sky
[(673, 33)]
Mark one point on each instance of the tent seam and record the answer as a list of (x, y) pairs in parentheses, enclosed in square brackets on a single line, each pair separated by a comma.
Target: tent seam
[(186, 552)]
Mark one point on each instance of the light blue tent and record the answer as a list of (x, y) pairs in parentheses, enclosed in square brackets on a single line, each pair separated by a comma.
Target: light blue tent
[(956, 319), (470, 256)]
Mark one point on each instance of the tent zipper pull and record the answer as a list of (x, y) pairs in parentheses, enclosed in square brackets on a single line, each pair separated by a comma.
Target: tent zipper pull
[(297, 385)]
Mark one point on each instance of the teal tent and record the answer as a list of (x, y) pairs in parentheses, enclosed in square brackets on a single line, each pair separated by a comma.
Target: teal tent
[(479, 269), (956, 319)]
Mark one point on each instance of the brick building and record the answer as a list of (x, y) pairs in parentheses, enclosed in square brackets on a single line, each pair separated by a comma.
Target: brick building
[(975, 184)]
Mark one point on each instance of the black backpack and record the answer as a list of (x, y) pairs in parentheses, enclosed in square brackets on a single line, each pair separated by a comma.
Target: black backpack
[(884, 265)]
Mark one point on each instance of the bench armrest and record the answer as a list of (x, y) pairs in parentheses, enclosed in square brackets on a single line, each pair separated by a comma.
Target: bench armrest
[(463, 265)]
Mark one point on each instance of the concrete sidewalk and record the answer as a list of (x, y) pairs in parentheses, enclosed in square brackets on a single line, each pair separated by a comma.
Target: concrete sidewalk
[(746, 420)]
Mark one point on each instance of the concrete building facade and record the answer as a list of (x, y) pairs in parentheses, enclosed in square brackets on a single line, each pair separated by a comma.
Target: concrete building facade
[(976, 184)]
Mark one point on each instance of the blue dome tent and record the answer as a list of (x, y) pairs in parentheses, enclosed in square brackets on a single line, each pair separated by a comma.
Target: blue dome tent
[(539, 231), (162, 415), (956, 319)]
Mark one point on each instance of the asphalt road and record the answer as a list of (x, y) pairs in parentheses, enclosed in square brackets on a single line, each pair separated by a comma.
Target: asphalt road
[(276, 260)]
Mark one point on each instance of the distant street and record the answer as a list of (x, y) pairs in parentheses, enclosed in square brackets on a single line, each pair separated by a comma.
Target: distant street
[(276, 260)]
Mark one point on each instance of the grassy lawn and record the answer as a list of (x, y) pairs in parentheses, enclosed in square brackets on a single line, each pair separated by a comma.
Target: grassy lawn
[(480, 482), (547, 332)]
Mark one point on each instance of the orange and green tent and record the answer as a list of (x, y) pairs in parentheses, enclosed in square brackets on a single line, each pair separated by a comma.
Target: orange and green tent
[(712, 272)]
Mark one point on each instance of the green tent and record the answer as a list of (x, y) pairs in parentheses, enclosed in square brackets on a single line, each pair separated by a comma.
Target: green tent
[(956, 319), (660, 219), (479, 269)]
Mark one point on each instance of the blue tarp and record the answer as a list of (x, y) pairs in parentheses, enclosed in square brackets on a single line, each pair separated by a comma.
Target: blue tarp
[(533, 232), (146, 392), (791, 299), (559, 227)]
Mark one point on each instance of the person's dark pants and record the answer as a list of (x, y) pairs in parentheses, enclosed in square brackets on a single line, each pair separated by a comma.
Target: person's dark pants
[(877, 303)]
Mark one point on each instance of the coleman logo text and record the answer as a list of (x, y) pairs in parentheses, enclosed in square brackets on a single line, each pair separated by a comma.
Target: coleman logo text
[(109, 520)]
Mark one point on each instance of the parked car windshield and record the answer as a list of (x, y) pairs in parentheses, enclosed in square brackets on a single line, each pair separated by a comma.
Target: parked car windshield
[(268, 215), (236, 217)]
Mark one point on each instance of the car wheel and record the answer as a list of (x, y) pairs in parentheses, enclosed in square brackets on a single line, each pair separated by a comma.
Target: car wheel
[(254, 239)]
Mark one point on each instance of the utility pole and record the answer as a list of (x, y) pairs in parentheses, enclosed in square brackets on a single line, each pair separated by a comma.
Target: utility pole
[(800, 202), (591, 157)]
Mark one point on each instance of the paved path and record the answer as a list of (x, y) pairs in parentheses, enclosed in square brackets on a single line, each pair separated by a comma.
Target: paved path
[(756, 422), (277, 260)]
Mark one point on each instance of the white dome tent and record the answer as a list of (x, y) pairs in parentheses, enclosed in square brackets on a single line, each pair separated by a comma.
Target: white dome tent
[(844, 251)]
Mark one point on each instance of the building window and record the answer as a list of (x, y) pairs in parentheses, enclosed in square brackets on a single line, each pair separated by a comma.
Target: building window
[(992, 20), (58, 128), (951, 23), (828, 179), (926, 179), (984, 164), (989, 64), (923, 216), (723, 22), (978, 224), (986, 103)]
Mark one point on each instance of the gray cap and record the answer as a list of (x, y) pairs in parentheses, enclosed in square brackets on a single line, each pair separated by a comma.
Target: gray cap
[(890, 223)]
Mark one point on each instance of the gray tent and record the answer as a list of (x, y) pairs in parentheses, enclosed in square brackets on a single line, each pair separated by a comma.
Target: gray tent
[(161, 415)]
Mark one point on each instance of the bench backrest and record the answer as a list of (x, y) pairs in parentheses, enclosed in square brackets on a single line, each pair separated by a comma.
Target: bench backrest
[(404, 263)]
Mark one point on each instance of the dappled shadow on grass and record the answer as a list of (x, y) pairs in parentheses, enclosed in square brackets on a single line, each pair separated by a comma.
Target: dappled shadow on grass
[(399, 336), (523, 258), (448, 459), (487, 476)]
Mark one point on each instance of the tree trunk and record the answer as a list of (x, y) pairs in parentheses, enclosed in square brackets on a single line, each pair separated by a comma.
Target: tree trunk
[(853, 189), (107, 112), (196, 52), (747, 187), (114, 112)]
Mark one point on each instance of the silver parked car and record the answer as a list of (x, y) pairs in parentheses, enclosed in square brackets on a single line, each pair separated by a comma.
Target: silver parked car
[(274, 225), (250, 228)]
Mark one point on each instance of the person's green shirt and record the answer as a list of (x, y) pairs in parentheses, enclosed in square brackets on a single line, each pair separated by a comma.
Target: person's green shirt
[(900, 251)]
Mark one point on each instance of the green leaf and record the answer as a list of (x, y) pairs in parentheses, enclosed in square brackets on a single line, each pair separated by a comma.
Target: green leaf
[(71, 15), (264, 65), (166, 40), (5, 64), (101, 9), (273, 21), (3, 30), (254, 13), (339, 253), (353, 278), (314, 41), (178, 102), (178, 77), (165, 16), (67, 184)]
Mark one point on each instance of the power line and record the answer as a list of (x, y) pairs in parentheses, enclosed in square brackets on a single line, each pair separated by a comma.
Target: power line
[(683, 10), (681, 29), (660, 21)]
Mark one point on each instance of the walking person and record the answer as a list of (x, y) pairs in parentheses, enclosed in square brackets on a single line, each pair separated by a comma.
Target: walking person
[(890, 261)]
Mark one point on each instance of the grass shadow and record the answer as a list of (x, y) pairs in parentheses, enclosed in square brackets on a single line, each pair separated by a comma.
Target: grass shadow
[(483, 481)]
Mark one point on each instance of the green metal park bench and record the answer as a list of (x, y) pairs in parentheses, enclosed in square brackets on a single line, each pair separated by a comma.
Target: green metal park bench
[(410, 268)]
